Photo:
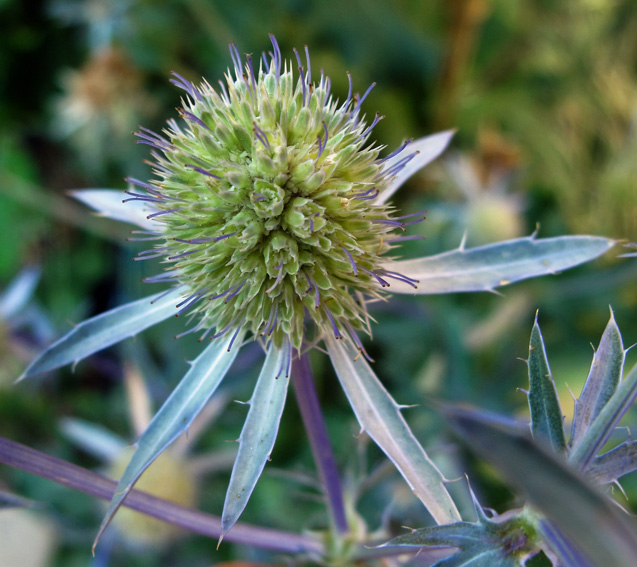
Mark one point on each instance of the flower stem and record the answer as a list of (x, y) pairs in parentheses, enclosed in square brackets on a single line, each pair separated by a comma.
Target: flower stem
[(27, 459), (319, 441)]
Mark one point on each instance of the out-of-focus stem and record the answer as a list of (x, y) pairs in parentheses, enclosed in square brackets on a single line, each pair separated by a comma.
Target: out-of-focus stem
[(27, 459), (319, 442)]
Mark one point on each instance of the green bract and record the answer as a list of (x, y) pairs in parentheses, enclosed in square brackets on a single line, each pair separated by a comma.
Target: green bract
[(266, 201)]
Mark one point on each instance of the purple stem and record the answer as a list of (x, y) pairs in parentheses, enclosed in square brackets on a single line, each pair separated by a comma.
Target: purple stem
[(310, 409), (27, 459)]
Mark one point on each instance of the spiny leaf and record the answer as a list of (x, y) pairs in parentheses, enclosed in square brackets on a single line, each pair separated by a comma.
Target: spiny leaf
[(486, 267), (258, 434), (105, 330), (174, 417), (546, 414), (614, 464), (603, 378), (604, 424), (379, 416), (586, 516)]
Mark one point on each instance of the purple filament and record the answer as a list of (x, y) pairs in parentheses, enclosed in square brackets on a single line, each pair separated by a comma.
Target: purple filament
[(405, 238), (203, 171), (170, 290), (322, 143), (264, 58), (159, 213), (224, 92), (185, 85), (235, 335), (188, 303), (225, 292), (390, 222), (188, 253), (349, 92), (357, 342), (360, 101), (278, 279), (337, 333), (272, 319), (139, 197), (261, 136), (380, 280), (149, 138), (252, 78), (190, 116), (368, 130), (160, 278), (236, 60), (309, 68), (234, 293), (349, 256), (399, 165), (276, 56), (400, 277), (366, 196), (223, 331), (396, 151), (259, 197)]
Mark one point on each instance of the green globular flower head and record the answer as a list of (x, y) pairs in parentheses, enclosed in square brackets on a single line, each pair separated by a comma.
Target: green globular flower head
[(265, 204)]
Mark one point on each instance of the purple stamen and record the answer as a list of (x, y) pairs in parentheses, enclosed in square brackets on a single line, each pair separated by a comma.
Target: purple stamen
[(349, 92), (313, 286), (234, 293), (159, 213), (357, 342), (150, 138), (236, 60), (350, 259), (139, 197), (160, 278), (252, 78), (192, 330), (380, 280), (149, 257), (366, 196), (276, 57), (278, 278), (265, 61), (390, 222), (400, 277), (170, 290), (309, 68), (368, 130), (261, 136), (222, 332), (235, 334), (337, 333), (224, 293), (259, 197), (360, 101), (225, 97), (272, 319), (399, 165), (203, 171), (188, 253), (190, 116), (185, 85), (323, 143), (396, 151), (189, 302)]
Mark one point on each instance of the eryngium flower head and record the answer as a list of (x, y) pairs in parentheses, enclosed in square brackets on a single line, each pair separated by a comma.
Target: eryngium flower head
[(266, 201)]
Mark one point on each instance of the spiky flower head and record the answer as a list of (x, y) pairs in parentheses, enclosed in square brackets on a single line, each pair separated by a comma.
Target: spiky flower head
[(266, 205)]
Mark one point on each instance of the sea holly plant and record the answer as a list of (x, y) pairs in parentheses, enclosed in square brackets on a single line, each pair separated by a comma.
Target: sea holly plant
[(567, 516), (269, 212)]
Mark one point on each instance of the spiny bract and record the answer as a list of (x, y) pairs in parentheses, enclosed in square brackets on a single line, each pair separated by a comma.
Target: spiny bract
[(265, 204)]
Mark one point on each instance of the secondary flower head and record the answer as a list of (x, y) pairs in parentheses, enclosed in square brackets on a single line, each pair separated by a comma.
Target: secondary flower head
[(266, 203)]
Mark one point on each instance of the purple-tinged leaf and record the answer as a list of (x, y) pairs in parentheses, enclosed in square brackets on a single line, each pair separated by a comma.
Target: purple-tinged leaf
[(614, 464), (604, 424), (546, 415), (603, 378), (585, 516)]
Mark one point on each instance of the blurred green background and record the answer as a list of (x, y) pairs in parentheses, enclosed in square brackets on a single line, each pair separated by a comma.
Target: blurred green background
[(544, 99)]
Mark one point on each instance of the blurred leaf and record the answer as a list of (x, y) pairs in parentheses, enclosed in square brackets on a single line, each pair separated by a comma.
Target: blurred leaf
[(603, 378), (587, 517), (546, 413)]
